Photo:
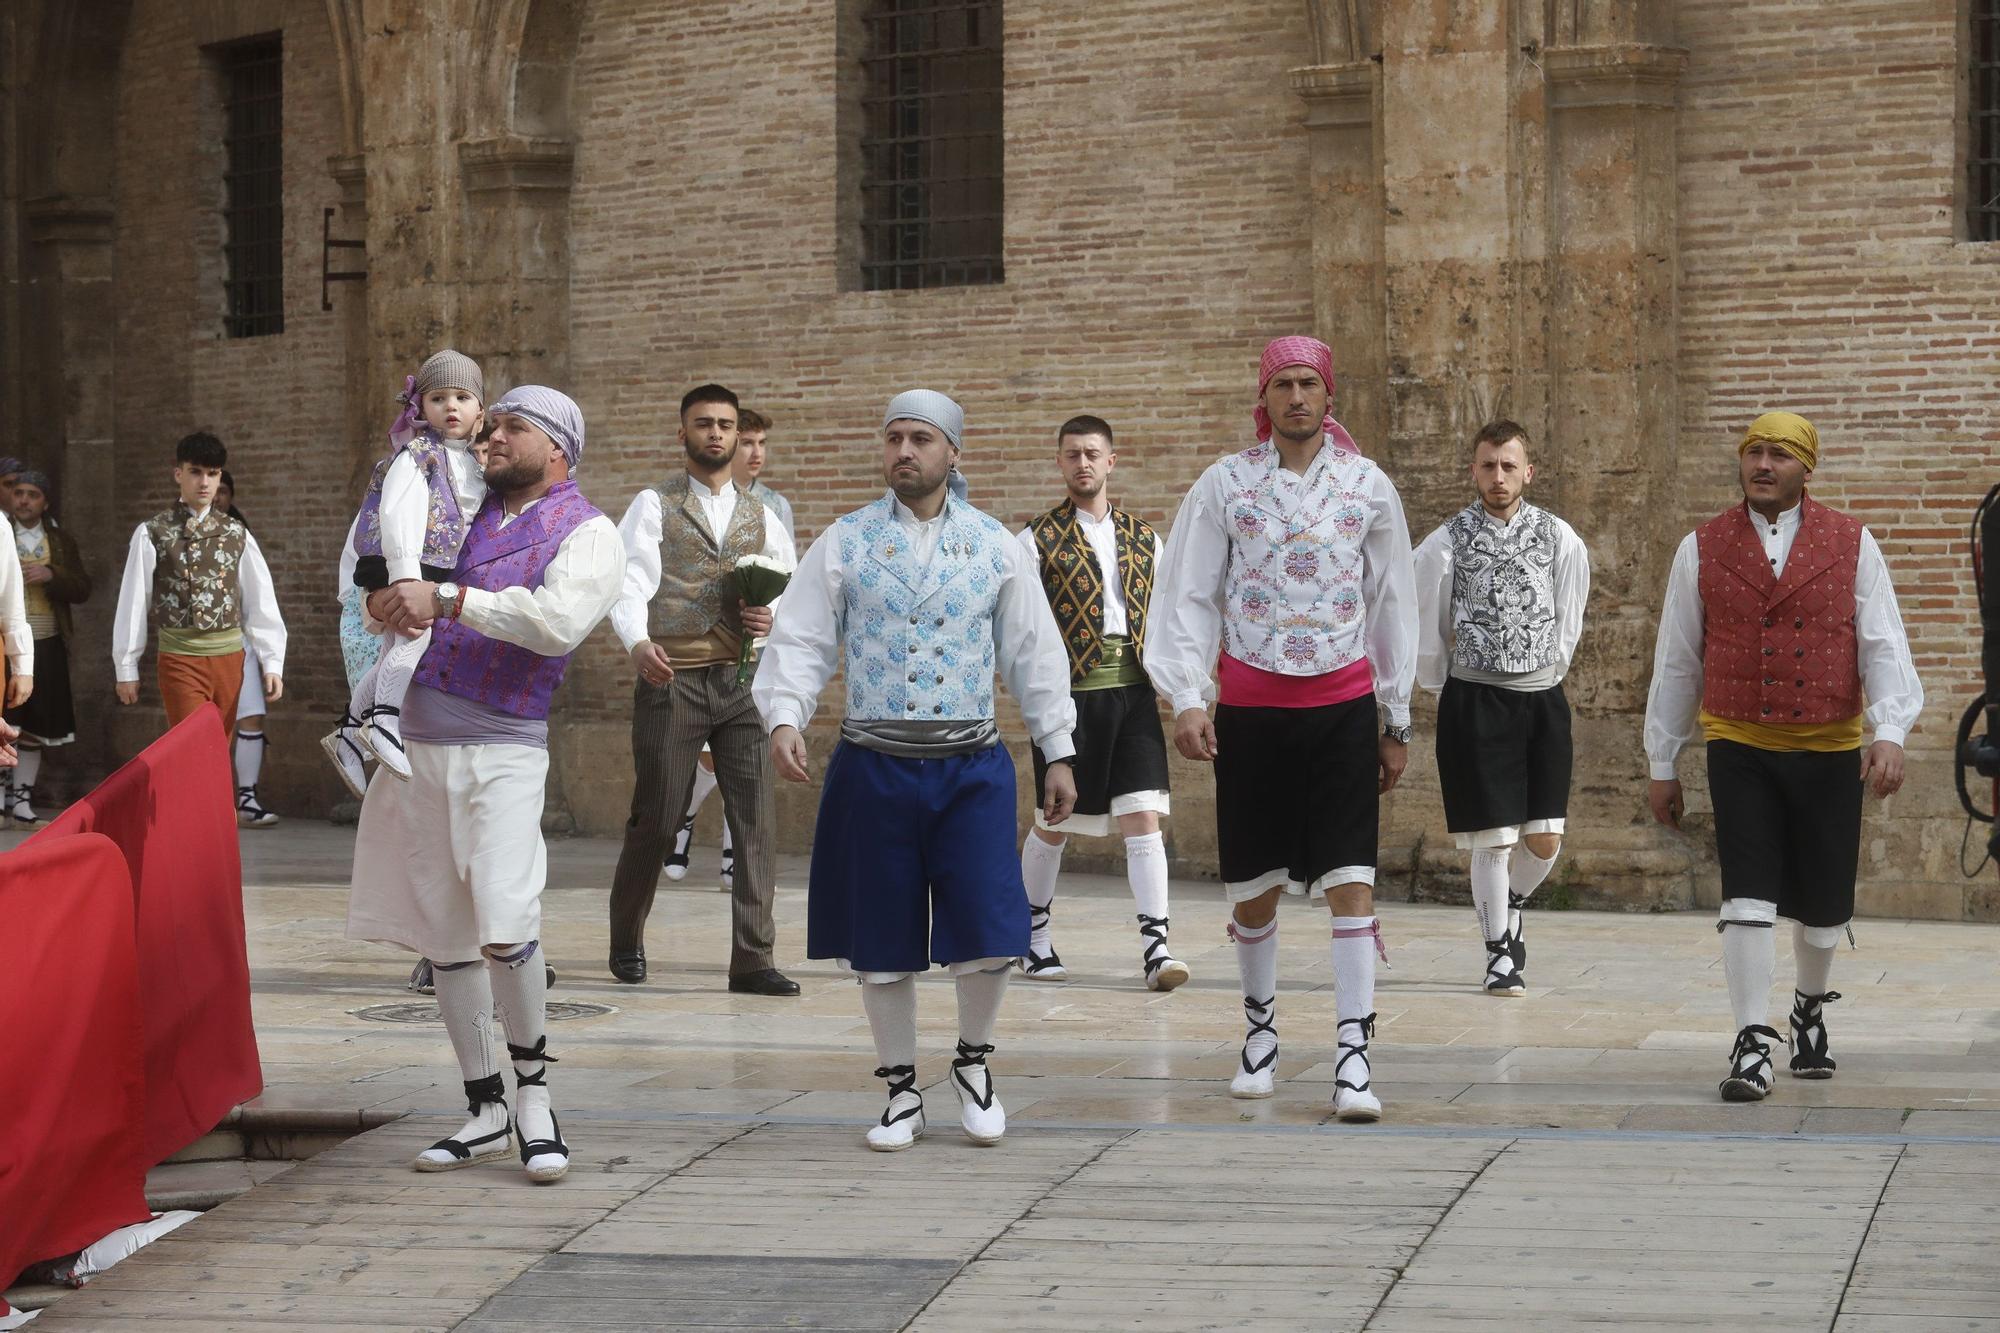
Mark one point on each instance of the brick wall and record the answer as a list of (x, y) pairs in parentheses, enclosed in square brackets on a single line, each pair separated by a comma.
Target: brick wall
[(1156, 235), (1820, 273), (275, 401)]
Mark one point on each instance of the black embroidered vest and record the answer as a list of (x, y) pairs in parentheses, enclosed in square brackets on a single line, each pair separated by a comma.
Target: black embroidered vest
[(1076, 589)]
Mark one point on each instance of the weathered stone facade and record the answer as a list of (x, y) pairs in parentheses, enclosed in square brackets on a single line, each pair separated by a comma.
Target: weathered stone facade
[(1629, 224)]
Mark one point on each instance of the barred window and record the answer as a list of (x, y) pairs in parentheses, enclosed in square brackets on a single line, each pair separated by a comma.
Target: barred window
[(1982, 158), (253, 208), (931, 144)]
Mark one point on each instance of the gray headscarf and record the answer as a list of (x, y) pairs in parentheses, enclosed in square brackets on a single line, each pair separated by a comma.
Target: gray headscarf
[(554, 411), (931, 407)]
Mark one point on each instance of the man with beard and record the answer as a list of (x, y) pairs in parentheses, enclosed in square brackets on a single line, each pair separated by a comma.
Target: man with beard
[(1096, 565), (1292, 559), (1501, 587), (919, 597), (1779, 625), (682, 622), (451, 864)]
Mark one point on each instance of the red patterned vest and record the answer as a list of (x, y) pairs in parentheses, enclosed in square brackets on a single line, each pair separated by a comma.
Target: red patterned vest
[(1780, 649)]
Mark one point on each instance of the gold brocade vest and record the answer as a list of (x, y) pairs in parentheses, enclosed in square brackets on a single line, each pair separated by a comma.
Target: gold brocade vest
[(1076, 589)]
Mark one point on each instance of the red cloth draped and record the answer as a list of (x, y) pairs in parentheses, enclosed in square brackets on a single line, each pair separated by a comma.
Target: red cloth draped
[(71, 1168), (170, 812)]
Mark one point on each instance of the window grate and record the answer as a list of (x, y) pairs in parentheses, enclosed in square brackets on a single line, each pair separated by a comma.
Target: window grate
[(1982, 211), (253, 210), (932, 179)]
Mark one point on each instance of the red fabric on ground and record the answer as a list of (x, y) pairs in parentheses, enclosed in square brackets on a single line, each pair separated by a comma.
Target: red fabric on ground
[(71, 1168), (171, 811)]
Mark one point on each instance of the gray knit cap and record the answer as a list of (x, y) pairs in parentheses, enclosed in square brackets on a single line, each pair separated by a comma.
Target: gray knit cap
[(451, 370)]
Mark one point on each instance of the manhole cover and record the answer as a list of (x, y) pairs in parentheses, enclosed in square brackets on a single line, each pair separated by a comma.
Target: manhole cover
[(559, 1011)]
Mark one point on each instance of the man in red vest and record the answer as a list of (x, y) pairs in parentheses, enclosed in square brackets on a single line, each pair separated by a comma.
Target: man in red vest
[(1779, 638)]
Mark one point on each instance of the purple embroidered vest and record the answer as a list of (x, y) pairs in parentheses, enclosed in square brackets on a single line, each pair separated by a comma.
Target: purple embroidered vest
[(444, 523), (464, 662)]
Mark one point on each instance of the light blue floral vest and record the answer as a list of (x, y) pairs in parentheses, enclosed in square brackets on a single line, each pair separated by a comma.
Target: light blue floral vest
[(919, 639)]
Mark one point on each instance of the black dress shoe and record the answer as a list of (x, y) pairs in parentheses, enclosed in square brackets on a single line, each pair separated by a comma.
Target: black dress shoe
[(769, 981), (629, 968)]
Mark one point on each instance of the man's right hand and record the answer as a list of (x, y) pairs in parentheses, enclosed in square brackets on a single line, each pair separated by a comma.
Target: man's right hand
[(1194, 735), (651, 662), (788, 754), (1665, 799), (128, 691)]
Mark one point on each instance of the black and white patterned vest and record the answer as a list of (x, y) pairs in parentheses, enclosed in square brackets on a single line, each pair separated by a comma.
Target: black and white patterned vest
[(1503, 590)]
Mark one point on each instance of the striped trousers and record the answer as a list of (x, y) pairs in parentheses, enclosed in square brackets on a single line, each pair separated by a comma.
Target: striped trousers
[(670, 724)]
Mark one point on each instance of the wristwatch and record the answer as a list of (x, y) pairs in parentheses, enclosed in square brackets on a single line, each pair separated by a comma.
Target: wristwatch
[(447, 600), (1401, 735)]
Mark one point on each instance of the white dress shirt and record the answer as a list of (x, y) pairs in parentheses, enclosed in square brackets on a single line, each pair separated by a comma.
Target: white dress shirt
[(803, 652), (349, 558), (1888, 676), (1102, 534), (14, 628), (640, 531), (1435, 579), (406, 506), (263, 627), (1184, 623)]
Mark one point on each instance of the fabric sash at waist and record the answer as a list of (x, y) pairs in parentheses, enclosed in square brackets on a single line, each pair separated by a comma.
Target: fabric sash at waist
[(922, 740), (1117, 668), (1241, 685), (1818, 737)]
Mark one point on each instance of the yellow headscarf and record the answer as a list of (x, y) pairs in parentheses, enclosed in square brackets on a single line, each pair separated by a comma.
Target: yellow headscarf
[(1789, 431)]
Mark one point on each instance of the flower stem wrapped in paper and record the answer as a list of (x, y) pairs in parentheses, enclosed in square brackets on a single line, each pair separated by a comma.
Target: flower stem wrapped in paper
[(759, 581)]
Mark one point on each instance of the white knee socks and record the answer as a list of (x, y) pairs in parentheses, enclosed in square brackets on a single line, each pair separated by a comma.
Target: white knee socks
[(520, 993), (979, 995), (249, 758), (1489, 889), (1528, 870), (1814, 961), (465, 999), (1257, 963), (1354, 965), (891, 1007), (29, 765), (1749, 959), (1146, 870), (704, 783), (1041, 863)]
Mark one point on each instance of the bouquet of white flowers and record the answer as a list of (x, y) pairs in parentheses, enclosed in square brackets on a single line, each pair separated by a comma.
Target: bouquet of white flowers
[(759, 581)]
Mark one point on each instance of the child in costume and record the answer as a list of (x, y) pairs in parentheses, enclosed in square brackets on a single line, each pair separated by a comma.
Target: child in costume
[(412, 522)]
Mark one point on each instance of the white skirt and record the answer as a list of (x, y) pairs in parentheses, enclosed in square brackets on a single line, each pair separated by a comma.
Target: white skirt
[(452, 859)]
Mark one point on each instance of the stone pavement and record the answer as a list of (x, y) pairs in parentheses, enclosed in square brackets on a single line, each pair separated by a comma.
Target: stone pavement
[(1549, 1162)]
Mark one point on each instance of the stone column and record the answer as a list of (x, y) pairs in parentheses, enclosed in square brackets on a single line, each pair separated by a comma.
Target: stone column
[(514, 280), (1614, 262), (68, 356)]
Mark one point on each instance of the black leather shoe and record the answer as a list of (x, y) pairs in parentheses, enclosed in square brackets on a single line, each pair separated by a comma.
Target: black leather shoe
[(769, 981), (629, 968)]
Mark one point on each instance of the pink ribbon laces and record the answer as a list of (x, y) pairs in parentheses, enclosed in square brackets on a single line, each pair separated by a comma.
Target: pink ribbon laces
[(1373, 928)]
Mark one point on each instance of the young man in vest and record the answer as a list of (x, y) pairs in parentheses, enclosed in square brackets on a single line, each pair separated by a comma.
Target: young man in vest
[(451, 864), (1780, 637), (1292, 559), (1501, 587), (1096, 565), (200, 575), (920, 597), (751, 428), (683, 623)]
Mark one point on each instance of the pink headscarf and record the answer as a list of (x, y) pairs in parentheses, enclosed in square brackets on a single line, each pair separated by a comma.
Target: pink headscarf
[(1315, 356)]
